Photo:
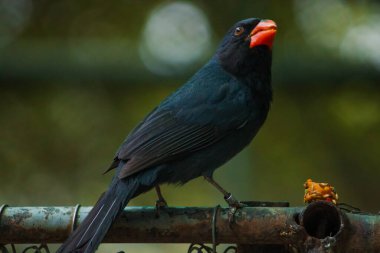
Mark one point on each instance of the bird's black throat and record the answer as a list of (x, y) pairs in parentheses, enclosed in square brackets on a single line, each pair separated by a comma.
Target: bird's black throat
[(253, 69)]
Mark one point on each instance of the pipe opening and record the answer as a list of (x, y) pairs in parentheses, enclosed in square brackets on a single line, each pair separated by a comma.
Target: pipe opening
[(321, 219)]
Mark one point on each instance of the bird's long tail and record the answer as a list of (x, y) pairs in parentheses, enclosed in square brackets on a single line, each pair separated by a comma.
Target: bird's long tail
[(87, 237)]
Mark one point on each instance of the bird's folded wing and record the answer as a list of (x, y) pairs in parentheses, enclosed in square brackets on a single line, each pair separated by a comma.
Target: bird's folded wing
[(162, 137)]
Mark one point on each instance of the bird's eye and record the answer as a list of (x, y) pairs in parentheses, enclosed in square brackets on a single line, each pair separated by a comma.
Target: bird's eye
[(239, 30)]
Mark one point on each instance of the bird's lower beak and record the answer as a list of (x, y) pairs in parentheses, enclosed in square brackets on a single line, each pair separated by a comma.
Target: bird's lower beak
[(263, 34)]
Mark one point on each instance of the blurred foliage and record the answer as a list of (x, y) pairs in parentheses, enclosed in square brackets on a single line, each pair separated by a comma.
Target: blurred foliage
[(73, 84)]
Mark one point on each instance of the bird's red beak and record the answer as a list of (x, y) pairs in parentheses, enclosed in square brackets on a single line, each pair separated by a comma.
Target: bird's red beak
[(263, 34)]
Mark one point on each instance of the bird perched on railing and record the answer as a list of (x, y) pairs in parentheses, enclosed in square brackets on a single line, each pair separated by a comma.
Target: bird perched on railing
[(195, 130)]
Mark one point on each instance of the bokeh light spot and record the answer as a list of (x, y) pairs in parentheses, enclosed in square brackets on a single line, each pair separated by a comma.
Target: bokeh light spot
[(175, 36), (14, 15), (323, 22), (349, 31), (361, 42)]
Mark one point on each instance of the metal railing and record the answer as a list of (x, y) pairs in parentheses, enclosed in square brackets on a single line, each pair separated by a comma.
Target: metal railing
[(318, 227)]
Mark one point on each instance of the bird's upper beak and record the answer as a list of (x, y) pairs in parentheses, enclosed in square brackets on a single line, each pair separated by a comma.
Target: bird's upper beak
[(263, 33)]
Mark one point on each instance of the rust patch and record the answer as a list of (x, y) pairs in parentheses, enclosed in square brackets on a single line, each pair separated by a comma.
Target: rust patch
[(49, 211), (20, 217)]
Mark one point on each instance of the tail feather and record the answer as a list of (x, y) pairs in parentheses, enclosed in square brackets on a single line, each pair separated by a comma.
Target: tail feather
[(87, 237)]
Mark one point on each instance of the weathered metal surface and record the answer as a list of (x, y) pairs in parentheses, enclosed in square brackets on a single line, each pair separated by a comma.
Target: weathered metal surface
[(363, 233), (141, 224), (183, 225), (36, 224), (305, 229), (262, 249)]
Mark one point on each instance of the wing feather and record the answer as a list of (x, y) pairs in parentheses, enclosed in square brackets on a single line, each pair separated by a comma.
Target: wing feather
[(197, 115), (162, 137)]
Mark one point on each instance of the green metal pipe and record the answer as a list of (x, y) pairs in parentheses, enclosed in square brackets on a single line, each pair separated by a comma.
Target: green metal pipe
[(318, 226), (141, 224)]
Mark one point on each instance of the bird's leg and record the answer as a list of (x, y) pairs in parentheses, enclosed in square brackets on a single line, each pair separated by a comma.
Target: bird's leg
[(232, 202), (161, 202)]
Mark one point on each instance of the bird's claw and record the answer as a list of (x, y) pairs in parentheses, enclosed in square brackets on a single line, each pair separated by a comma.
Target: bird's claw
[(233, 202), (160, 204), (234, 205)]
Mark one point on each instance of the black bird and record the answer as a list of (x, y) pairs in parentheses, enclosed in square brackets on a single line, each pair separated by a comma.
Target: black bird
[(192, 132)]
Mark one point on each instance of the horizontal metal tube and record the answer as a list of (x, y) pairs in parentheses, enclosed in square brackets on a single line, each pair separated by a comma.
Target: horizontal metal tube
[(141, 224), (251, 225)]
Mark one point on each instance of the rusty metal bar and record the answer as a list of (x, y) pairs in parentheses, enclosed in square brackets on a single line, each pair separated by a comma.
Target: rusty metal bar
[(319, 226)]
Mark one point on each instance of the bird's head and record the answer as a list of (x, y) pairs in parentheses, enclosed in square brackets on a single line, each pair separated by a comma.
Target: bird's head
[(247, 45)]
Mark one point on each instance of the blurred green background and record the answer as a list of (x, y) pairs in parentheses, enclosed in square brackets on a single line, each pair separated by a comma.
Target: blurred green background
[(77, 76)]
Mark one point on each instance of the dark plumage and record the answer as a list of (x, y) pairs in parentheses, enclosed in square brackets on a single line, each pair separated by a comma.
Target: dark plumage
[(192, 132)]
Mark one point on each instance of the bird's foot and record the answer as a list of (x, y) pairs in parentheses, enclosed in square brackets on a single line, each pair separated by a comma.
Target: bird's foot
[(160, 204), (233, 202), (235, 205)]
